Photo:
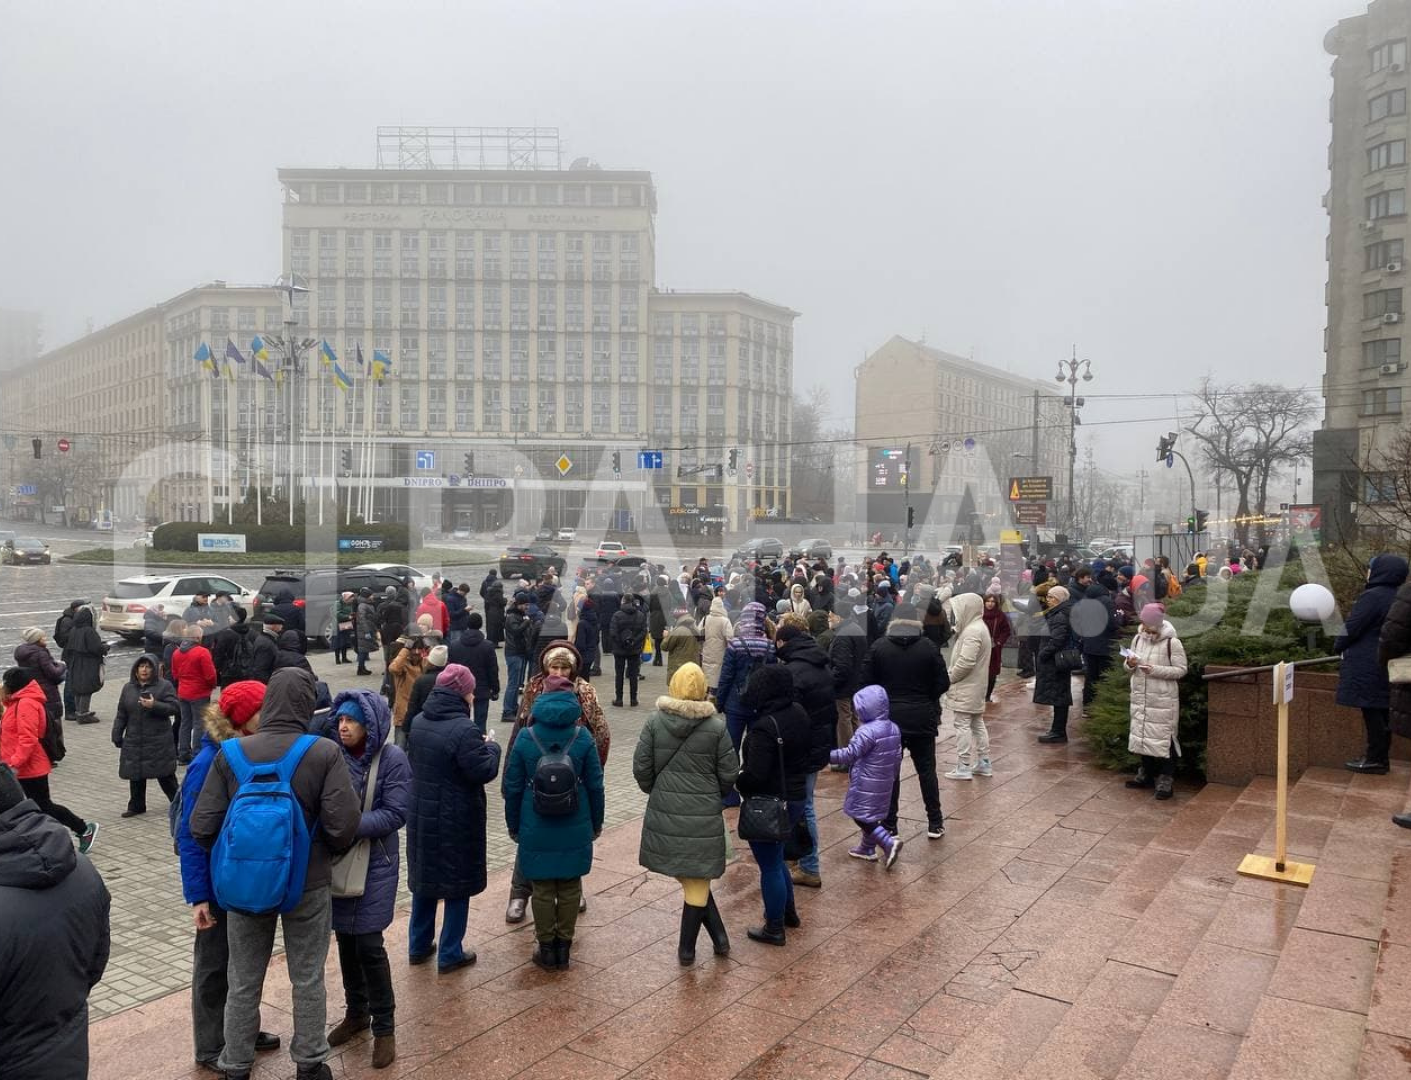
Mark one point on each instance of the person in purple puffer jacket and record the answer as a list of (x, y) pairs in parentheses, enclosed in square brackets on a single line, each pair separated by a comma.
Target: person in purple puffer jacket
[(873, 758)]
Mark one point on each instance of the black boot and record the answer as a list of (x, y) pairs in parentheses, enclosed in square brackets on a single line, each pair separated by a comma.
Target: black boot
[(561, 953), (791, 916), (546, 955), (1141, 780), (771, 933), (715, 927), (691, 919)]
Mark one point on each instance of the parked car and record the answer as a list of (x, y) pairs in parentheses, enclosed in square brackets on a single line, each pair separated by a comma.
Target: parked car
[(567, 536), (610, 549), (24, 550), (811, 549), (530, 560), (143, 541), (420, 578), (544, 536), (123, 609), (610, 562), (764, 547), (316, 592)]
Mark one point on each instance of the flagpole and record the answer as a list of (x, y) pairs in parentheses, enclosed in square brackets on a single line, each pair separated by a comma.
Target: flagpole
[(318, 489), (259, 449), (225, 446), (369, 496), (210, 463), (352, 435)]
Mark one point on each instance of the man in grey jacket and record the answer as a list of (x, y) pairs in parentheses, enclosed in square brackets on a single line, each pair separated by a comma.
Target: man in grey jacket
[(325, 792)]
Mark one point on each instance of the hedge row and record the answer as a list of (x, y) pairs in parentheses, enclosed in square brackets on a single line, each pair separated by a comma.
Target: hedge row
[(181, 536)]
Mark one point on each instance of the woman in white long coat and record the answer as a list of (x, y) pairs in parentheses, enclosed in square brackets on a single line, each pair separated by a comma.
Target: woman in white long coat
[(1157, 665), (715, 635)]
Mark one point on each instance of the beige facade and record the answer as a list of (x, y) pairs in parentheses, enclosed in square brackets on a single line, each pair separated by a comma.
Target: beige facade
[(970, 428), (522, 321), (19, 338), (1366, 370)]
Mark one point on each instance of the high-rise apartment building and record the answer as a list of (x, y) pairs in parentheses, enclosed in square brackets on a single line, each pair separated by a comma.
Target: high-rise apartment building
[(516, 300), (19, 338), (1366, 374), (970, 427)]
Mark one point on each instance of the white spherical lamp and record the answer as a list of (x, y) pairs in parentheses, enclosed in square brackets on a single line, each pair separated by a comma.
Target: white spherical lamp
[(1312, 603)]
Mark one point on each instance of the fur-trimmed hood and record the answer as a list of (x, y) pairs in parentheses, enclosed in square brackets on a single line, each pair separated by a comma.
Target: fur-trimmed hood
[(217, 725), (691, 710)]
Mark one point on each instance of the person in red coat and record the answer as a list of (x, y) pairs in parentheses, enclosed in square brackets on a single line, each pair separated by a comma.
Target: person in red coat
[(433, 605), (997, 622), (194, 673), (21, 731)]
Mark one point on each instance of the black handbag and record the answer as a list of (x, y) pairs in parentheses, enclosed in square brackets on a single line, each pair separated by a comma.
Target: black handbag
[(765, 818), (1067, 661)]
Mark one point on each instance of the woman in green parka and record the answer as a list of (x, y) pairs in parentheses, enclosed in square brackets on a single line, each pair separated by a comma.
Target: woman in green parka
[(685, 762)]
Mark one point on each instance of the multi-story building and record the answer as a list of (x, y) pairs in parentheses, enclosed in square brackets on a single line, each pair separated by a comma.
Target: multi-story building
[(19, 338), (1366, 374), (516, 302), (971, 428)]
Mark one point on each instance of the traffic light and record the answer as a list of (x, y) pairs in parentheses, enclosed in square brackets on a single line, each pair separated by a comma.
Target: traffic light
[(1165, 445), (734, 459), (1201, 517), (470, 463), (1190, 524), (347, 461), (911, 517), (38, 445), (617, 462)]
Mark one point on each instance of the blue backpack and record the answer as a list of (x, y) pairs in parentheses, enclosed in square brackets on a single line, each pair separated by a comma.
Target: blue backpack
[(261, 856)]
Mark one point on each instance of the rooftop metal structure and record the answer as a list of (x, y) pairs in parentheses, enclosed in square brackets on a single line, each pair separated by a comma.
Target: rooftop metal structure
[(498, 148)]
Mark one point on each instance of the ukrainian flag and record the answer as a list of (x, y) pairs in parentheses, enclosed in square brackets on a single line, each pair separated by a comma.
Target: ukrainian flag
[(259, 357), (381, 365), (205, 359), (340, 377), (326, 356)]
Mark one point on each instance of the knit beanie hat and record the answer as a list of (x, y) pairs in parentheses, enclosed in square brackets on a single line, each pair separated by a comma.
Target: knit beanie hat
[(424, 622), (438, 656), (458, 679), (994, 588), (554, 683), (688, 684), (559, 653), (352, 708), (11, 794), (1059, 593), (559, 708), (33, 634), (1153, 615), (240, 701)]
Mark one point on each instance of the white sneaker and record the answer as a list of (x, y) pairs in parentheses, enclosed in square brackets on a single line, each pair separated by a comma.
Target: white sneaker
[(960, 774), (984, 768)]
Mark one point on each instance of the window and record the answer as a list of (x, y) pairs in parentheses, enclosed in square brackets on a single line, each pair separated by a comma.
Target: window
[(491, 247), (382, 253), (411, 303), (464, 194), (573, 194), (602, 195), (573, 307), (435, 306), (1387, 154), (411, 254), (490, 357), (548, 409), (353, 254), (661, 411), (220, 319), (381, 193), (519, 307), (1383, 401), (436, 255), (1392, 103), (382, 304), (662, 325), (438, 194), (465, 307), (629, 195), (1386, 204), (409, 356), (661, 361), (519, 194), (627, 362), (245, 318), (355, 193), (602, 360), (465, 406), (1380, 254), (465, 255), (573, 408), (1388, 53), (1377, 353), (409, 193), (573, 357), (1382, 302), (411, 407), (627, 410), (435, 356), (465, 356), (602, 308), (602, 407), (491, 407), (548, 307), (490, 306), (519, 357), (435, 412), (546, 194), (690, 360), (547, 366)]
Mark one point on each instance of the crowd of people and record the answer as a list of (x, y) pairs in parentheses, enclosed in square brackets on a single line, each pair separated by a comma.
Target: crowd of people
[(774, 672)]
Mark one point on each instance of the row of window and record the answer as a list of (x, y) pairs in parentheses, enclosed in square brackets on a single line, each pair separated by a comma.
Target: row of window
[(1381, 302), (357, 193), (1388, 53), (1382, 351), (1383, 401), (1391, 103), (1386, 155), (1383, 253), (1386, 204)]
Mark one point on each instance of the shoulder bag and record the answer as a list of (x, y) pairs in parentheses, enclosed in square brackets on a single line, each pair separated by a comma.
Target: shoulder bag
[(349, 870), (1068, 660), (765, 818)]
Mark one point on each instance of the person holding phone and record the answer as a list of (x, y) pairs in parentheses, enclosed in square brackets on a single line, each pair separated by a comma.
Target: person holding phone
[(1157, 663), (142, 731)]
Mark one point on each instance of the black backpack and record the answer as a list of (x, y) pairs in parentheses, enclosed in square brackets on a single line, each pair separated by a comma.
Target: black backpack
[(53, 738), (239, 660), (555, 780)]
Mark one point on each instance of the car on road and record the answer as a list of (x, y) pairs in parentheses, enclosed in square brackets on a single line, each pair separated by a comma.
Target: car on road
[(567, 536), (123, 609), (764, 547), (610, 549), (316, 592), (530, 560), (811, 549), (143, 541), (1118, 553), (544, 536), (420, 578), (600, 564), (24, 550)]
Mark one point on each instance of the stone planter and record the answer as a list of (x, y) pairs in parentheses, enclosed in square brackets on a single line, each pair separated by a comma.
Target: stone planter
[(1243, 727)]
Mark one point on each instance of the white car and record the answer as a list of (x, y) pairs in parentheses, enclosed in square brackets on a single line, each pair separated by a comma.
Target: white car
[(124, 608), (420, 579), (610, 549), (567, 536)]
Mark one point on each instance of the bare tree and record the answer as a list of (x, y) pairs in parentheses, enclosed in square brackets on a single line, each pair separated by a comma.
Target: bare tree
[(1384, 497), (72, 480), (1252, 433), (815, 454)]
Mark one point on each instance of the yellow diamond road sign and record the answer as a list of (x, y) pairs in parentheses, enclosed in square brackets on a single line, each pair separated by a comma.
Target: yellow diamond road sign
[(563, 464)]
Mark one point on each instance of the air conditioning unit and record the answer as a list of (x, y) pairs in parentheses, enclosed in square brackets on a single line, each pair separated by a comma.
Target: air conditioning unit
[(1368, 226), (1393, 267), (1389, 369), (1395, 68), (1391, 317)]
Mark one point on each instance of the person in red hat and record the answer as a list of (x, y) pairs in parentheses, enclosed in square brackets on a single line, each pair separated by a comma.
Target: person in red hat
[(237, 713)]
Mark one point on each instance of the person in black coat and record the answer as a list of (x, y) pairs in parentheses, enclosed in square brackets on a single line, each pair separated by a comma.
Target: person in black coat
[(1051, 686), (608, 598), (391, 622), (456, 607), (471, 649), (779, 735), (628, 634), (586, 633), (85, 654), (658, 604), (263, 648), (451, 761), (288, 652), (494, 610), (1362, 676), (807, 665), (293, 615), (1095, 621), (847, 652), (553, 628), (908, 666), (54, 938), (142, 732)]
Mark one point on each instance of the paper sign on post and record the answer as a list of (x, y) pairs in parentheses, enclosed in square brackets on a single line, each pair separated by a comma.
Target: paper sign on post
[(1283, 683), (1288, 682)]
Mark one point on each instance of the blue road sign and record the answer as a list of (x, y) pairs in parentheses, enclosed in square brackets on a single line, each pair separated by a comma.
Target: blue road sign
[(426, 459), (27, 489), (649, 459), (1170, 461)]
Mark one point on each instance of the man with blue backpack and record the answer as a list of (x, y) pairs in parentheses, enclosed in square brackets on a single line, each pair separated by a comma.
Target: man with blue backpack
[(274, 807)]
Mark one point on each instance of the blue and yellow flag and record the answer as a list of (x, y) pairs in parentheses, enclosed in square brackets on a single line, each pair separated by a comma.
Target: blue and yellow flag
[(340, 377), (381, 365), (326, 355), (205, 359), (259, 358)]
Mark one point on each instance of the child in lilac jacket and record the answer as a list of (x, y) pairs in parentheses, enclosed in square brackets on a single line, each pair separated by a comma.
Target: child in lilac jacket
[(873, 758)]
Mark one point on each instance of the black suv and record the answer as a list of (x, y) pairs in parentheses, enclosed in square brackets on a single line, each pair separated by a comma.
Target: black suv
[(317, 592), (531, 560), (765, 547)]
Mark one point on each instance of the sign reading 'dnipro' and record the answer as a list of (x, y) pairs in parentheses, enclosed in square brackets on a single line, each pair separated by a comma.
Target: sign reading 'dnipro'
[(220, 542), (360, 543)]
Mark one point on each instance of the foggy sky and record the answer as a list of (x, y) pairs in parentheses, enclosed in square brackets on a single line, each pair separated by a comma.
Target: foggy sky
[(1140, 178)]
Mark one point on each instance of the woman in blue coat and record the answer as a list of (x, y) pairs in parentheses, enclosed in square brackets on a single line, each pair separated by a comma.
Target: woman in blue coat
[(747, 651), (554, 851), (1362, 677), (362, 724), (451, 761)]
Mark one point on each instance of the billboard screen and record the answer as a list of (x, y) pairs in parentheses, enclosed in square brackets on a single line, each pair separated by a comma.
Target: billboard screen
[(888, 467)]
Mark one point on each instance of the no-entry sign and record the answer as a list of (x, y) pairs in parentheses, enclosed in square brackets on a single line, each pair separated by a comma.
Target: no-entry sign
[(63, 446)]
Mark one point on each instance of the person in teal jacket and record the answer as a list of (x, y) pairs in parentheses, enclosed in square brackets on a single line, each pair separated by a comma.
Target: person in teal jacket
[(554, 852)]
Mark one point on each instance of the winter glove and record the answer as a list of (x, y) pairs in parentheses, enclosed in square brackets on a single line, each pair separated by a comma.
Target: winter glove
[(117, 743)]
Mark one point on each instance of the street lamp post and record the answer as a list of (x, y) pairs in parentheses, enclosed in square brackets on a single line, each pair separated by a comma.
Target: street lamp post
[(1070, 371)]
